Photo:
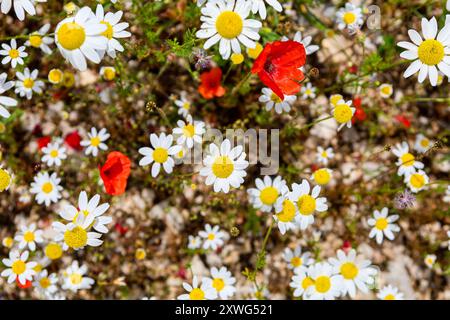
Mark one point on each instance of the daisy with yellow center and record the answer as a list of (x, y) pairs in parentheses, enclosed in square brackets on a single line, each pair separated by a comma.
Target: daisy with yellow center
[(296, 260), (225, 21), (307, 203), (225, 166), (324, 155), (28, 237), (161, 154), (422, 143), (80, 37), (417, 181), (386, 90), (28, 83), (301, 281), (13, 54), (326, 283), (183, 104), (204, 292), (55, 76), (343, 113), (39, 39), (194, 242), (406, 161), (349, 17), (74, 278), (45, 283), (308, 91), (383, 225), (96, 141), (18, 268), (213, 237), (272, 101), (285, 214), (222, 282), (189, 132), (430, 53), (76, 235), (46, 187), (389, 293), (53, 154), (322, 176), (430, 260), (353, 271), (4, 100), (108, 73), (20, 7), (267, 192)]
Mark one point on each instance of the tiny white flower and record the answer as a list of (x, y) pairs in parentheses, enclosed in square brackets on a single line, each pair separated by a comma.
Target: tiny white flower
[(271, 100), (323, 155), (45, 283), (53, 154), (327, 284), (422, 143), (301, 281), (38, 39), (260, 6), (350, 17), (194, 242), (222, 282), (4, 100), (267, 192), (386, 90), (28, 237), (430, 260), (213, 237), (74, 278), (389, 293), (417, 181), (204, 292), (183, 104), (18, 268), (189, 132), (383, 225), (308, 91), (46, 187), (28, 83), (406, 161), (296, 260), (96, 141)]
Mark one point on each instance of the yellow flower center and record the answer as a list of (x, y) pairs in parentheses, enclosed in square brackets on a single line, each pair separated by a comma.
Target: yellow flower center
[(307, 282), (237, 58), (222, 167), (18, 267), (13, 53), (47, 187), (95, 141), (38, 268), (425, 142), (54, 153), (53, 251), (211, 236), (55, 76), (76, 278), (269, 195), (389, 297), (343, 113), (28, 236), (296, 262), (45, 282), (140, 254), (386, 90), (218, 284), (334, 99), (109, 32), (323, 284), (417, 180), (71, 36), (160, 155), (381, 224), (287, 214), (229, 24), (275, 98), (69, 79), (322, 176), (306, 204), (5, 179), (76, 238), (28, 83), (349, 18), (186, 105), (197, 294), (189, 130), (254, 53), (109, 74), (324, 154), (35, 40), (431, 52), (407, 159), (8, 242), (349, 270)]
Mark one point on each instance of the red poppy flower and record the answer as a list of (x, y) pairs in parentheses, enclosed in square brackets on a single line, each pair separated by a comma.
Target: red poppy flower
[(360, 114), (27, 284), (278, 66), (404, 120), (43, 142), (210, 86), (120, 228), (346, 246), (73, 140), (115, 173)]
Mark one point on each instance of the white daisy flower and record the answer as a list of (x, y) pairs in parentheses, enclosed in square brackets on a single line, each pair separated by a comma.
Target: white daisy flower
[(222, 282), (108, 73), (79, 37), (306, 42), (322, 176), (260, 6), (74, 278), (429, 54), (38, 39), (45, 283), (28, 83), (194, 242), (161, 154), (349, 17), (46, 187), (4, 100), (417, 181), (430, 260), (307, 204), (286, 215), (301, 281), (323, 155), (183, 104), (383, 225), (390, 293), (296, 260), (224, 167), (343, 113), (96, 141), (225, 21), (114, 30), (76, 235), (271, 99), (213, 237), (89, 208), (53, 154), (386, 90), (28, 236), (308, 91), (422, 144), (406, 161), (18, 267), (327, 285), (267, 192), (20, 7), (204, 292), (353, 272), (13, 54), (189, 132)]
